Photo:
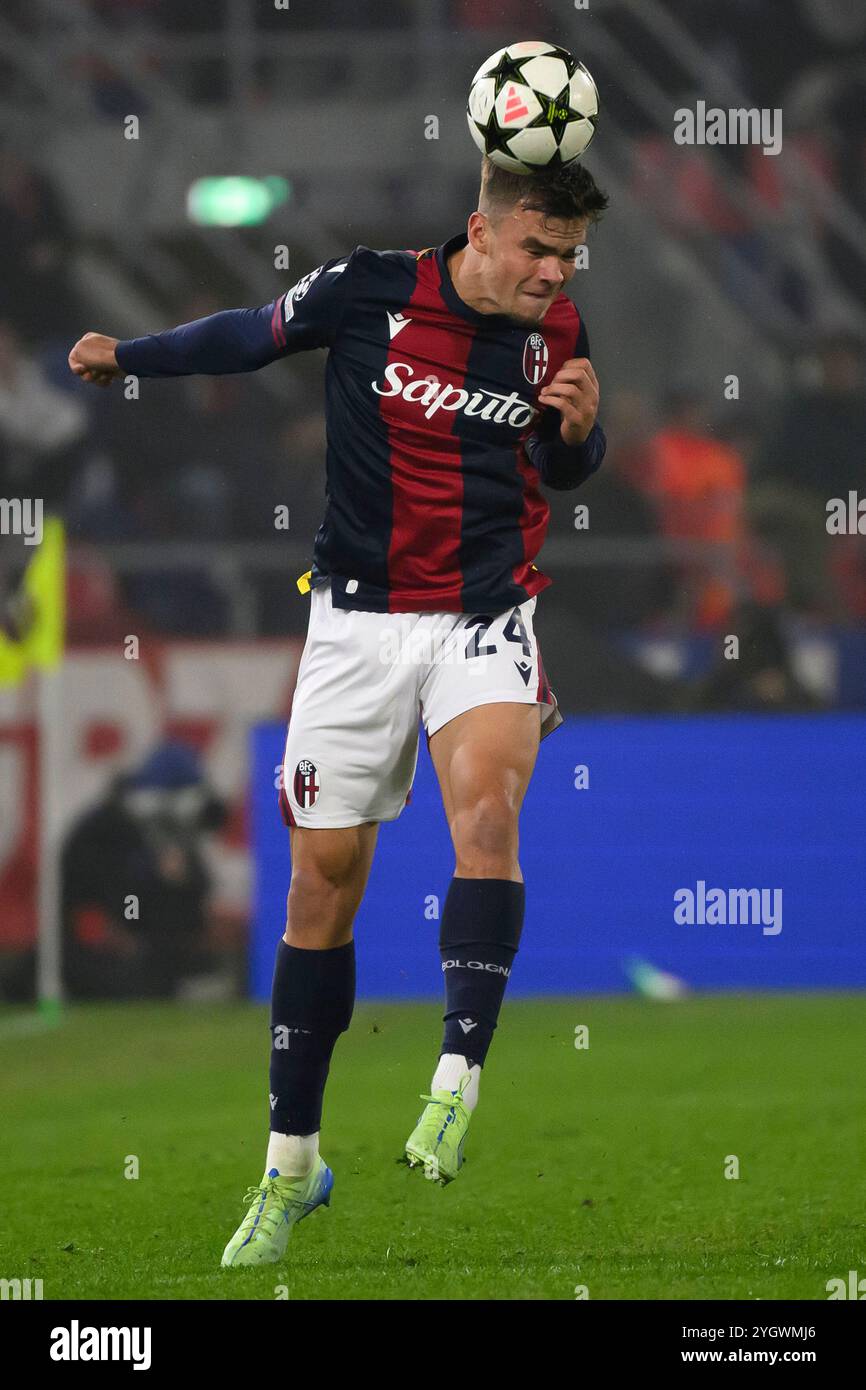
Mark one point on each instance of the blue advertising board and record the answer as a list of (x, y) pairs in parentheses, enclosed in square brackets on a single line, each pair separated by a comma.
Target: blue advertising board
[(650, 851)]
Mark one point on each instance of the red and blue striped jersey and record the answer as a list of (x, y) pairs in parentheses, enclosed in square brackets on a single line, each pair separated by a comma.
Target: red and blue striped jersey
[(436, 447)]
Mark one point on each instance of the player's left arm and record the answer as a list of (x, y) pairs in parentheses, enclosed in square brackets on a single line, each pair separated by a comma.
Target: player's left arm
[(569, 444)]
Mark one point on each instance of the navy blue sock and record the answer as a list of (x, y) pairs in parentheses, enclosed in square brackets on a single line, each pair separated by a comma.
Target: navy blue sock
[(478, 937), (312, 1000)]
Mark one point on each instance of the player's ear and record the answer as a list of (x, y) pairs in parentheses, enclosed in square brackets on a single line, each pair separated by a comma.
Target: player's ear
[(478, 232)]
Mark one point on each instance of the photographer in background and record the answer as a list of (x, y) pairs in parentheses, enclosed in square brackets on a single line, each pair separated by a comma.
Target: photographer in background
[(135, 884)]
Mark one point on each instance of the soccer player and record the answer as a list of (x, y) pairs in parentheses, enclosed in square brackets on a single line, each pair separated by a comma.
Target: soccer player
[(458, 381)]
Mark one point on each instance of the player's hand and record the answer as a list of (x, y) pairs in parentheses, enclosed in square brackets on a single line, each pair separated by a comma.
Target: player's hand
[(574, 393), (93, 359)]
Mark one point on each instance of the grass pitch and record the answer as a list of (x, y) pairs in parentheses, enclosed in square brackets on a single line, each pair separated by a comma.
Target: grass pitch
[(602, 1167)]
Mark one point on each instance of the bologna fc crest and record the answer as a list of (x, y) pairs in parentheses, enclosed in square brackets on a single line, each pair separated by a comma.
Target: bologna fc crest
[(306, 783), (534, 358)]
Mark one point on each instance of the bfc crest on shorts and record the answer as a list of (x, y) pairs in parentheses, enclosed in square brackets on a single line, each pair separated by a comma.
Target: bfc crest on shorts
[(535, 358), (306, 785)]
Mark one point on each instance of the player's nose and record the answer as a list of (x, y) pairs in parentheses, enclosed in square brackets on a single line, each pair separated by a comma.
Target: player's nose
[(550, 273)]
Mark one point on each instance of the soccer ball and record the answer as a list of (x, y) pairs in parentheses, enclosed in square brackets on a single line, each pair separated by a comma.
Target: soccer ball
[(532, 106)]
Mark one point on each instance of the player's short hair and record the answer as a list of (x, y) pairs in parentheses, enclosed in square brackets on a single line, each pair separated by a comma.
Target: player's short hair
[(569, 192)]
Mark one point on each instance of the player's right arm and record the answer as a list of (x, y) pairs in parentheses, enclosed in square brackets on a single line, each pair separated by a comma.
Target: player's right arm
[(235, 340)]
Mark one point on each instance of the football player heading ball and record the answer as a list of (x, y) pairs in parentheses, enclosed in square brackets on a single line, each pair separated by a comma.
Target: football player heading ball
[(458, 384)]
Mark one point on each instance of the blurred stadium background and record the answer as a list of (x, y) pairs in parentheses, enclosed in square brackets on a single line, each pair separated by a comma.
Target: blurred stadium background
[(144, 770), (708, 518)]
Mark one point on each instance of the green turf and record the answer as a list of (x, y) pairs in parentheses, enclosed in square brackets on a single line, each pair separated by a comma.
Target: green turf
[(601, 1167)]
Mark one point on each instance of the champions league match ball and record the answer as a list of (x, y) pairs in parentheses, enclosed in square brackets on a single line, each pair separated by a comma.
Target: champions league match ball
[(532, 106)]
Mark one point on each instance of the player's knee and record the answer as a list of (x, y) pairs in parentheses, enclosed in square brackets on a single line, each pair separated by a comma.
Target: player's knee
[(319, 911), (319, 888), (485, 830), (328, 879)]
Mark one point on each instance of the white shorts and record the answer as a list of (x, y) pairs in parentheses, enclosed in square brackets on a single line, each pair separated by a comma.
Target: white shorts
[(364, 679)]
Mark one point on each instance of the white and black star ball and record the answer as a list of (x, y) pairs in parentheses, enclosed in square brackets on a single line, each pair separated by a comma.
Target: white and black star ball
[(532, 106)]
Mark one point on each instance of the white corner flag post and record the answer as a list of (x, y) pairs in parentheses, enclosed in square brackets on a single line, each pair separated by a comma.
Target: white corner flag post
[(49, 975), (45, 585)]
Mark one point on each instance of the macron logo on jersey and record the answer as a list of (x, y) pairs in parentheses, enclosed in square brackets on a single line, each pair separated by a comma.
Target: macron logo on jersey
[(395, 323), (434, 396)]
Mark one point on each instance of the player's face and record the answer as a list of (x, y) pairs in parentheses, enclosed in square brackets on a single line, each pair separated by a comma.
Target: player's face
[(533, 258)]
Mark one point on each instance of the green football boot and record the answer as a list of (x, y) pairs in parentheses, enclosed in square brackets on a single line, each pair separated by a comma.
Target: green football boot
[(436, 1142), (276, 1205)]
